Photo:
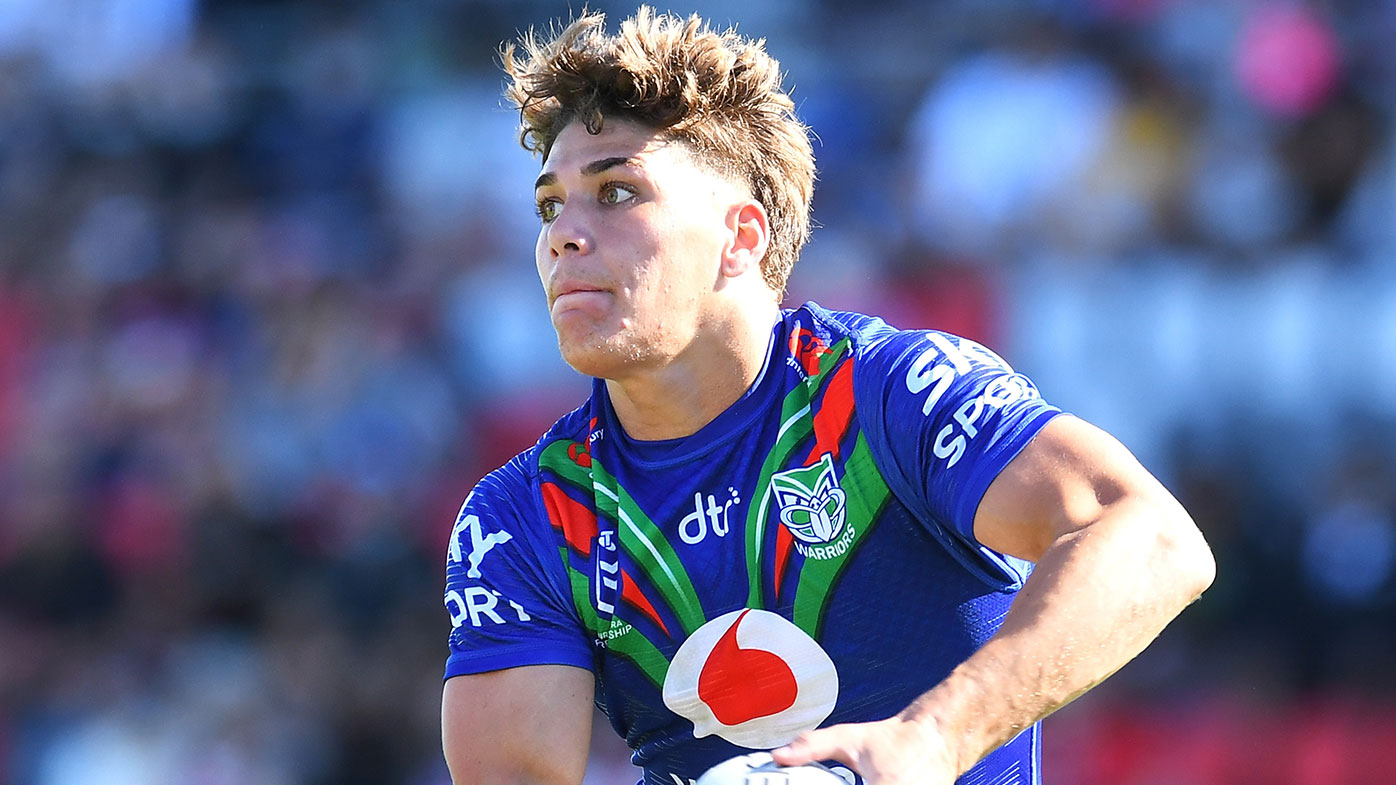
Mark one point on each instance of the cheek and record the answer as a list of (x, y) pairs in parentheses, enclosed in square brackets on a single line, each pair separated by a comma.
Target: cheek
[(542, 259), (696, 256)]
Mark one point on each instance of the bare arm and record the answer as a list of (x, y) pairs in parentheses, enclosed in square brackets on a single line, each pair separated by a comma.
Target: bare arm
[(1117, 559), (520, 726)]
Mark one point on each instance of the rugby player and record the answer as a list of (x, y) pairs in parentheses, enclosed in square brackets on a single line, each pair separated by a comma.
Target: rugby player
[(795, 529)]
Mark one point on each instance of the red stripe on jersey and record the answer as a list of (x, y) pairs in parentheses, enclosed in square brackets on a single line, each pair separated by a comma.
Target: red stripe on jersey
[(636, 599), (835, 412), (578, 524), (830, 425), (784, 541)]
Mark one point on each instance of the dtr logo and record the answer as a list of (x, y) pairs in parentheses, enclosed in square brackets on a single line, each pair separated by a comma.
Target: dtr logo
[(752, 678)]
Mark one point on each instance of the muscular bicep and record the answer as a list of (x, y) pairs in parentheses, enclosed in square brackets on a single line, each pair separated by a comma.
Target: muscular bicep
[(519, 726), (1064, 479)]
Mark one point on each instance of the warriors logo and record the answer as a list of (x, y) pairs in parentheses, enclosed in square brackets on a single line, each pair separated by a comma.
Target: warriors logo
[(811, 502), (752, 678)]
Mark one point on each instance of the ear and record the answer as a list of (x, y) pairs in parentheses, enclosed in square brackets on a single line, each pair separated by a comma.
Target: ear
[(750, 236)]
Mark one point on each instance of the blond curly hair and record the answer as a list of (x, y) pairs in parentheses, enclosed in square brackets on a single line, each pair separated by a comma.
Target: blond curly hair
[(718, 93)]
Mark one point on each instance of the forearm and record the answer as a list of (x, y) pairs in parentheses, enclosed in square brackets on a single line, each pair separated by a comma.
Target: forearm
[(1097, 597)]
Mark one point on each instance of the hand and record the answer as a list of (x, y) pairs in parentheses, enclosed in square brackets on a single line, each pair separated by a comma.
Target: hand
[(890, 752)]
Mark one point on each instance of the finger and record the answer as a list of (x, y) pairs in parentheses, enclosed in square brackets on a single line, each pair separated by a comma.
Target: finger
[(836, 743)]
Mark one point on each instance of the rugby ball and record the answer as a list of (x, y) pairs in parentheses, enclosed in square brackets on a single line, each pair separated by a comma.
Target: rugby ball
[(758, 768)]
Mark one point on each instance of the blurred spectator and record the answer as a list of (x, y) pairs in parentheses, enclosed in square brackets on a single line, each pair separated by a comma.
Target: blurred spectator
[(1002, 135)]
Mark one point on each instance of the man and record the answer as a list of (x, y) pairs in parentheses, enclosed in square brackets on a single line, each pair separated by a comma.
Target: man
[(764, 522)]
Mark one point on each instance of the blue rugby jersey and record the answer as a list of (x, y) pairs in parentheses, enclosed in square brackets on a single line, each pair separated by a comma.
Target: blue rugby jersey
[(806, 559)]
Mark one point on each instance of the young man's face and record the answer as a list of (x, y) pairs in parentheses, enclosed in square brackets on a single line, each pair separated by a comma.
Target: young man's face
[(632, 235)]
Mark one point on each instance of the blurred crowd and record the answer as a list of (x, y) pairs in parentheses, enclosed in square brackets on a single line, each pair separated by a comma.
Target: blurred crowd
[(267, 311)]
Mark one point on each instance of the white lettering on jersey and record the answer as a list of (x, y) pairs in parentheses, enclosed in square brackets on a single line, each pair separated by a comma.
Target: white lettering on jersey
[(607, 572), (952, 449), (519, 611), (926, 370), (475, 604), (695, 525), (479, 546), (480, 602), (938, 367), (455, 605)]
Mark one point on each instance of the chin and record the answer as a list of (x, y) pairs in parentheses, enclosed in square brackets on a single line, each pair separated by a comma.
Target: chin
[(586, 364), (601, 359), (589, 358)]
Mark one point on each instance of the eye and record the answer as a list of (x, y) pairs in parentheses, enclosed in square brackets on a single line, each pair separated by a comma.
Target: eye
[(547, 210), (615, 193)]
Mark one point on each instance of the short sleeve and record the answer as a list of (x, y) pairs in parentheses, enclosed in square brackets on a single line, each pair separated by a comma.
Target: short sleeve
[(943, 416), (506, 586)]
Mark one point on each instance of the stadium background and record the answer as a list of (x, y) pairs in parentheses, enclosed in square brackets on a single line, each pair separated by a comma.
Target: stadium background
[(267, 311)]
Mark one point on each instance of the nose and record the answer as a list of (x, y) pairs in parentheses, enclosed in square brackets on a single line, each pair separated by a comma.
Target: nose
[(569, 234)]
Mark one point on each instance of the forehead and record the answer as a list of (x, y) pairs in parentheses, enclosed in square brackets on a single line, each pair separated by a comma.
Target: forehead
[(575, 147)]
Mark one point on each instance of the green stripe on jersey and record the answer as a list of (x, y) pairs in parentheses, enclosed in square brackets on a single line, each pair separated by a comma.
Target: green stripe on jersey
[(866, 492), (648, 548), (634, 646), (796, 424), (581, 593), (555, 459), (620, 637)]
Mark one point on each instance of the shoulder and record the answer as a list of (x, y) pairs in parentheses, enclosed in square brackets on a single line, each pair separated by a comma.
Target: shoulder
[(508, 505), (820, 339), (878, 343), (860, 329)]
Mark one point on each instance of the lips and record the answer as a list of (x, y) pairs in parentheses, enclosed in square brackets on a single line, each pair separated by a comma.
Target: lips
[(576, 290), (573, 294)]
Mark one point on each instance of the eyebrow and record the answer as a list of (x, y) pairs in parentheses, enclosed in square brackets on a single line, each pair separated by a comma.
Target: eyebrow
[(594, 168)]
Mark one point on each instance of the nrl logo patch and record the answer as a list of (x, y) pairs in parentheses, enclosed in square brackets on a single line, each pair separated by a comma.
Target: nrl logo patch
[(812, 505)]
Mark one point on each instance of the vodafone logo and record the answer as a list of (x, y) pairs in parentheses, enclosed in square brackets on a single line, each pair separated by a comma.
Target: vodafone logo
[(752, 678)]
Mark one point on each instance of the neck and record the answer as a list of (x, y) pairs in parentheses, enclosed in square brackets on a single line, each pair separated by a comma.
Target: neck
[(692, 389)]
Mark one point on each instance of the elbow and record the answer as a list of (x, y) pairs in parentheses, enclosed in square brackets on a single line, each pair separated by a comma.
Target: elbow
[(1199, 569), (1207, 564), (1188, 562)]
